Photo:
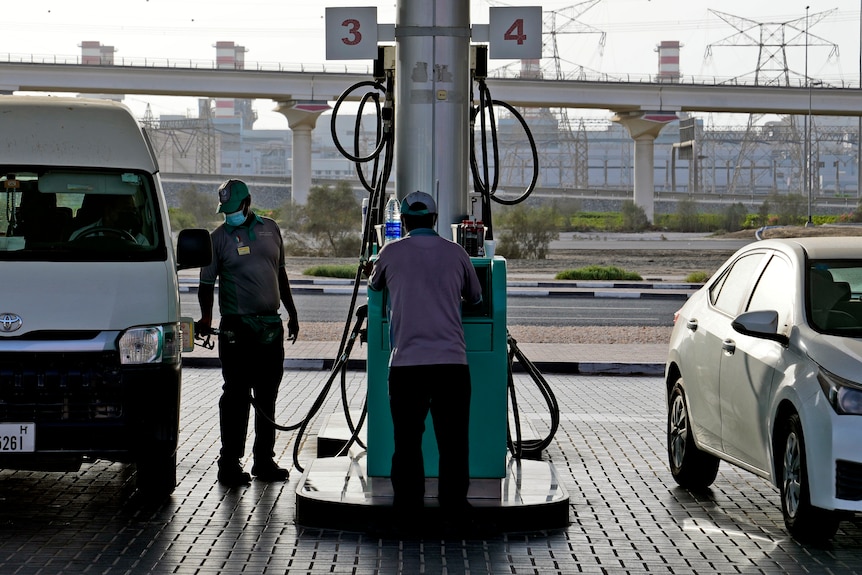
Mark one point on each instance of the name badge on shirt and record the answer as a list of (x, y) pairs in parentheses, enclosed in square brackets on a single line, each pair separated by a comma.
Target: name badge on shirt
[(243, 250)]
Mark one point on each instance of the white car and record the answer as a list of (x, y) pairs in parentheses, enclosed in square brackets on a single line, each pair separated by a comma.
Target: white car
[(764, 371)]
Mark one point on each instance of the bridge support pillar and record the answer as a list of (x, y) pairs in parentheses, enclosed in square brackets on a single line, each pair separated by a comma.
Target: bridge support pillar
[(644, 128), (301, 118)]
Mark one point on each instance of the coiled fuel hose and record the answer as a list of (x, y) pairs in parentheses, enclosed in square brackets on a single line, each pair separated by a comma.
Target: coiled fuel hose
[(381, 159), (486, 181)]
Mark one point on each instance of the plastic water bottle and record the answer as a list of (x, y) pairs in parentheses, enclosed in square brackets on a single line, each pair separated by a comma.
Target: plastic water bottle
[(392, 229)]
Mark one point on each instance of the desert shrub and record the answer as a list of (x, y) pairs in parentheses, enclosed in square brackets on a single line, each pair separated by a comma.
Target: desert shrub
[(595, 221), (733, 217), (634, 217), (326, 226), (598, 273), (181, 220), (687, 219), (331, 271), (791, 209), (200, 207), (696, 277), (527, 232)]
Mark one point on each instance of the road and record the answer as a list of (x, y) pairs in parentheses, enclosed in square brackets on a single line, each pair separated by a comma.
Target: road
[(522, 310)]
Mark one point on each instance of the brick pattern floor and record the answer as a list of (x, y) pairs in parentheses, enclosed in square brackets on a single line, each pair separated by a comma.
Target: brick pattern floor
[(627, 515)]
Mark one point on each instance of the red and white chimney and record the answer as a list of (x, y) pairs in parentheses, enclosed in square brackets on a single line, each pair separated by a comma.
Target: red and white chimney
[(94, 54), (668, 61), (229, 56)]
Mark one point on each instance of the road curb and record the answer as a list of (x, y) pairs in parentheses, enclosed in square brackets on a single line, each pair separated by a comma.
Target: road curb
[(515, 289), (546, 367)]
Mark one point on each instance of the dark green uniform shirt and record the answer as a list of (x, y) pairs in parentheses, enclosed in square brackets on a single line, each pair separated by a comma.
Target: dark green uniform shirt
[(246, 261)]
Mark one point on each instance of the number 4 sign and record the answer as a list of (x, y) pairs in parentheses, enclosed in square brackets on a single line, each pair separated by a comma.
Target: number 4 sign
[(515, 32), (351, 33)]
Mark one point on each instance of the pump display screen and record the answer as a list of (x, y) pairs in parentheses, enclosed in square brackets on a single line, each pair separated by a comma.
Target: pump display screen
[(483, 270)]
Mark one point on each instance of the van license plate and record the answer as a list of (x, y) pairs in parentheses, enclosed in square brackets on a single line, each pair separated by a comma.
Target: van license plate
[(17, 437)]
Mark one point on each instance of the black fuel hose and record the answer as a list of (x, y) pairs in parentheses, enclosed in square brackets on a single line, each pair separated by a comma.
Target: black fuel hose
[(486, 183), (520, 448)]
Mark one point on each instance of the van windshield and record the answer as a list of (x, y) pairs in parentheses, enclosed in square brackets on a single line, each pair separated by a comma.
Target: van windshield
[(65, 215)]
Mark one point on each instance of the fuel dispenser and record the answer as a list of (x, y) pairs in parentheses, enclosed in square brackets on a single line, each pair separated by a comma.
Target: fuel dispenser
[(426, 82), (485, 334)]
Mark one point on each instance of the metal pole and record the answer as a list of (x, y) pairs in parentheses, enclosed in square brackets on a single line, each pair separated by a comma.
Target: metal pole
[(432, 116), (807, 162)]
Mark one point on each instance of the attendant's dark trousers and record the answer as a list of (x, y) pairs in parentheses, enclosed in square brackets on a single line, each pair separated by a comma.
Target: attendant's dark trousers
[(247, 366)]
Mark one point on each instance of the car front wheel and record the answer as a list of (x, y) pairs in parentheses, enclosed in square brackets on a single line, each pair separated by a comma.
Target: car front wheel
[(803, 520), (691, 468)]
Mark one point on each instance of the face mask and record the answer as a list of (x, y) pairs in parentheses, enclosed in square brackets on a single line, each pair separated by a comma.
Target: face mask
[(235, 219)]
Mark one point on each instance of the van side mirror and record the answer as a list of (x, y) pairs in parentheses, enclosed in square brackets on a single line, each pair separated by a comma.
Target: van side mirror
[(194, 249)]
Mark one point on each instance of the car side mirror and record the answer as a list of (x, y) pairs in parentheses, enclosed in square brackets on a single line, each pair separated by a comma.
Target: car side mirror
[(762, 324), (194, 249)]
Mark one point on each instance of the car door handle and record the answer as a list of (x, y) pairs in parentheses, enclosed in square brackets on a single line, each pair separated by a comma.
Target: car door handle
[(691, 324), (728, 346)]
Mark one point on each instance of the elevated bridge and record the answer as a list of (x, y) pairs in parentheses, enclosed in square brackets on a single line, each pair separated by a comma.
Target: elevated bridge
[(643, 107)]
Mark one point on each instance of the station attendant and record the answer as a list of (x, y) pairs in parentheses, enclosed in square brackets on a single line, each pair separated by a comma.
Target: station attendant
[(428, 278), (248, 261)]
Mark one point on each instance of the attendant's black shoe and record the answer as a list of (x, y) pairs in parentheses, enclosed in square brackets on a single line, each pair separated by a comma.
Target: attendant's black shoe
[(269, 472), (232, 475)]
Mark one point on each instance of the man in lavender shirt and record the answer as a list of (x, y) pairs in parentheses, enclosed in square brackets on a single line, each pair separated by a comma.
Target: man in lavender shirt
[(428, 277)]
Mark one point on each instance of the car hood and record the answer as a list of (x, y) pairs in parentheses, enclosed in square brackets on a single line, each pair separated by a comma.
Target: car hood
[(839, 355)]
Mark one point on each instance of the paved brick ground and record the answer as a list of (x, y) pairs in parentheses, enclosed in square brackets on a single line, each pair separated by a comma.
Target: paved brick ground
[(627, 516)]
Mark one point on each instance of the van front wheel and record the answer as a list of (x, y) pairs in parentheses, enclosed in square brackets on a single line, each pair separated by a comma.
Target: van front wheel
[(157, 474)]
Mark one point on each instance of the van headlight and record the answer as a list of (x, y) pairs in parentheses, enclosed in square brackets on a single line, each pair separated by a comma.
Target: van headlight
[(151, 344), (844, 396)]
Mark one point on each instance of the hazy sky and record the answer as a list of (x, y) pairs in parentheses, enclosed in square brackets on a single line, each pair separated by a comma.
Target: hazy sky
[(293, 32)]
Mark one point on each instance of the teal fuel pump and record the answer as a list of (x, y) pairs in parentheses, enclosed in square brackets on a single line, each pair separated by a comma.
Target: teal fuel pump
[(485, 334), (430, 112)]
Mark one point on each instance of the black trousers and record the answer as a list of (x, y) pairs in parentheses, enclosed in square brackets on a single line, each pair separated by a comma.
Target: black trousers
[(247, 366), (445, 391)]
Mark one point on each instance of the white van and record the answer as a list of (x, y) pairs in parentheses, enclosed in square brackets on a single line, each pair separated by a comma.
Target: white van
[(90, 335)]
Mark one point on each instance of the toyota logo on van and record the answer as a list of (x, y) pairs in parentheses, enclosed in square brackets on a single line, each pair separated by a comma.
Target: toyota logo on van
[(10, 322)]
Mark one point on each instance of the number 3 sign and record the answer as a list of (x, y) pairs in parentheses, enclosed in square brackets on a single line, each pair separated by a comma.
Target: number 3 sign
[(351, 33), (515, 32)]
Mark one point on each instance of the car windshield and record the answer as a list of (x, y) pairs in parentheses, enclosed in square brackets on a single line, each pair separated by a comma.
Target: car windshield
[(64, 215), (835, 297)]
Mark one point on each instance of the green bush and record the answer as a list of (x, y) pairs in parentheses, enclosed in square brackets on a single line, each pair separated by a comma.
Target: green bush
[(687, 218), (753, 221), (598, 273), (200, 207), (332, 271), (791, 209), (634, 217), (595, 221), (696, 277), (733, 217), (180, 219), (328, 225), (527, 232)]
